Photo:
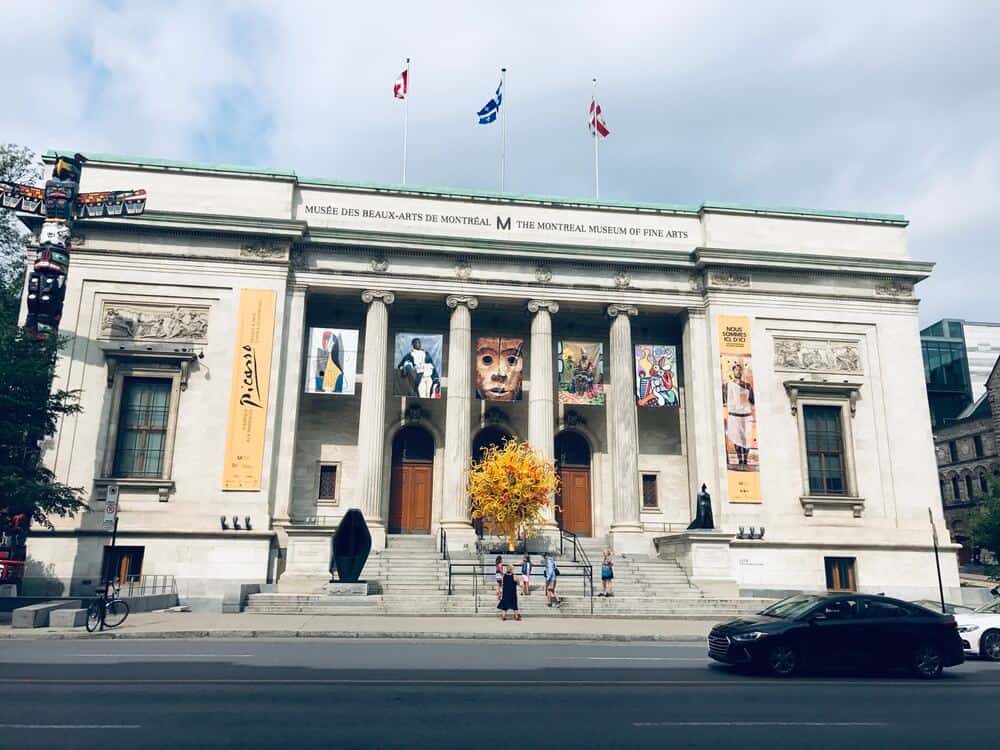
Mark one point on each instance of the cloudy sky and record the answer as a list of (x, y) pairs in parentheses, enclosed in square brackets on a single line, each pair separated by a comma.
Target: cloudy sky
[(874, 106)]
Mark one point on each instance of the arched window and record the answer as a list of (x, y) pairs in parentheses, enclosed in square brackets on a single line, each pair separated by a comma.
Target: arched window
[(984, 484), (956, 488), (968, 486)]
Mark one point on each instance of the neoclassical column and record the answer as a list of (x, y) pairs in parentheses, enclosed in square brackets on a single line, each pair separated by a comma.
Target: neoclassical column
[(371, 424), (455, 514), (703, 443), (286, 423), (623, 435), (541, 404)]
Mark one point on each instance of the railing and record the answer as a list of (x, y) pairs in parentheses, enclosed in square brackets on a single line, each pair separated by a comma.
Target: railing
[(663, 528), (147, 586), (579, 555), (443, 536), (578, 568)]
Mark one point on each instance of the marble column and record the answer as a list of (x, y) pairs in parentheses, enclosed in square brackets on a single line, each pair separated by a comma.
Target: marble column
[(541, 405), (703, 442), (371, 424), (286, 424), (455, 512), (623, 436)]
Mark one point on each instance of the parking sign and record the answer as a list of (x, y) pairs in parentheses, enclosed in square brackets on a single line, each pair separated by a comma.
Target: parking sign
[(110, 508)]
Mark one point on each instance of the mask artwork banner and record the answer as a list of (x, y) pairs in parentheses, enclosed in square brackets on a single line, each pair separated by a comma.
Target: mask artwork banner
[(244, 457), (499, 368), (656, 375), (332, 364), (739, 410), (418, 359), (580, 365)]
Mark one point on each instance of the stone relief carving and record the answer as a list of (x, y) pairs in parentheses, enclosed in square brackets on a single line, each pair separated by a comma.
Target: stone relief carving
[(154, 322), (696, 282), (817, 355), (298, 259), (379, 264), (573, 419), (370, 295), (619, 309), (732, 279), (543, 274), (454, 300), (463, 270), (415, 413), (622, 280), (263, 250), (543, 304), (893, 288), (493, 415)]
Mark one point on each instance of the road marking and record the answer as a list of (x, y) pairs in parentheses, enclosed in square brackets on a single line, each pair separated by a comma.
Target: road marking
[(759, 724), (487, 682), (70, 726), (125, 654), (628, 658)]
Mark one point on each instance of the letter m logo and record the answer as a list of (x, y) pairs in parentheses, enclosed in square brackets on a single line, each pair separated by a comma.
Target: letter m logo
[(503, 223)]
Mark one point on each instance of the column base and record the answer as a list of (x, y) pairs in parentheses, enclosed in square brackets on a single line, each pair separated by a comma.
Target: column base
[(461, 537), (378, 533), (629, 540)]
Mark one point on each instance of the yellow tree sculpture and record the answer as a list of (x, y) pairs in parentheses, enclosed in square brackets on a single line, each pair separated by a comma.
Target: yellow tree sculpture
[(510, 486)]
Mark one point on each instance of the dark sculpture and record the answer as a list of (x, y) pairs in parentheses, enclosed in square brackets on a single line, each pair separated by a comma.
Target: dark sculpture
[(351, 544), (703, 516)]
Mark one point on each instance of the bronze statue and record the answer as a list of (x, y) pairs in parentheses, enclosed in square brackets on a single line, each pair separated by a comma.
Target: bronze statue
[(351, 544), (703, 514)]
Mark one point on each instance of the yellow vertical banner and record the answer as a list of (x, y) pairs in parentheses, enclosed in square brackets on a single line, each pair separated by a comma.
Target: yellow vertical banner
[(248, 396), (739, 410)]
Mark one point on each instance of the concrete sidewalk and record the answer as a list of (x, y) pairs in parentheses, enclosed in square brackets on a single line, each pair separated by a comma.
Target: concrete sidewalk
[(246, 625)]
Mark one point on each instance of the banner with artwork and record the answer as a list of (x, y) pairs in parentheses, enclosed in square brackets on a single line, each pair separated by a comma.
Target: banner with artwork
[(580, 366), (739, 409), (418, 361), (244, 457), (499, 368), (656, 375), (332, 362)]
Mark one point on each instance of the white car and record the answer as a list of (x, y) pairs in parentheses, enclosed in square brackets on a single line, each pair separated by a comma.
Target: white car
[(980, 630)]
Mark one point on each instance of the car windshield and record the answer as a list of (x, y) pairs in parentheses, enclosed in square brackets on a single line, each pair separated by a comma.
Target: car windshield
[(792, 607), (990, 608)]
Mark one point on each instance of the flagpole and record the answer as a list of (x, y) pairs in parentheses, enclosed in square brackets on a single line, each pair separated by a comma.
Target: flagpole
[(597, 171), (503, 125), (406, 114)]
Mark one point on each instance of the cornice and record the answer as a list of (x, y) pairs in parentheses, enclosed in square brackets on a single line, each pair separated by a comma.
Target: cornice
[(916, 270)]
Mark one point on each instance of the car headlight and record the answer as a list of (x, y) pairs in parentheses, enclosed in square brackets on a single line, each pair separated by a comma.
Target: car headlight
[(754, 636), (967, 628)]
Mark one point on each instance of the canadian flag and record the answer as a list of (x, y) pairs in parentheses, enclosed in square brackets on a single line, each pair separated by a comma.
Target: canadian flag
[(595, 121), (399, 88)]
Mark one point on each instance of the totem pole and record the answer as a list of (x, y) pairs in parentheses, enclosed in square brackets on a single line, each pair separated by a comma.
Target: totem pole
[(61, 203)]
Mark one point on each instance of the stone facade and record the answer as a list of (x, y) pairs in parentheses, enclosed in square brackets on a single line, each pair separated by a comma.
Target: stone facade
[(828, 300)]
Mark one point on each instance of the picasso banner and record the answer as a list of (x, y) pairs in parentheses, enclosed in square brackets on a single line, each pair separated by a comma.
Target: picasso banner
[(656, 375), (248, 397), (739, 410)]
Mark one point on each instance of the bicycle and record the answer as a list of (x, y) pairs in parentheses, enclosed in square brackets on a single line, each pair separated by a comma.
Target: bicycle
[(105, 611)]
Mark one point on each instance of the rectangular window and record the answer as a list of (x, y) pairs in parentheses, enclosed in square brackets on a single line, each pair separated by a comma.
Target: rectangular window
[(142, 428), (953, 450), (824, 450), (969, 492), (328, 482), (984, 484), (840, 574), (650, 497), (956, 488), (978, 441)]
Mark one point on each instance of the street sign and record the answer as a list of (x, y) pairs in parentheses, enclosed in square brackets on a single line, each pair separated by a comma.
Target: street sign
[(110, 508)]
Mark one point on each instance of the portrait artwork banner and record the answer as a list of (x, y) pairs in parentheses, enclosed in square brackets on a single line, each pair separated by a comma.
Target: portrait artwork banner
[(418, 359), (499, 368), (332, 363), (739, 410), (656, 375), (580, 367)]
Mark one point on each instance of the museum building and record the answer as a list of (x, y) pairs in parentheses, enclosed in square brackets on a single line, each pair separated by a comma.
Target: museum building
[(260, 351)]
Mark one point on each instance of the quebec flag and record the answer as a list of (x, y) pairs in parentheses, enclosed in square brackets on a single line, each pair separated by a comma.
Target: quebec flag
[(488, 113)]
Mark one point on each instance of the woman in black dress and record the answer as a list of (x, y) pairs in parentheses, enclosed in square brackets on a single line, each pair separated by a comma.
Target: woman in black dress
[(508, 598)]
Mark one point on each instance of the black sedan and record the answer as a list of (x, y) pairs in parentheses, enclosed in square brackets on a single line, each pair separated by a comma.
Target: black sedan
[(854, 631)]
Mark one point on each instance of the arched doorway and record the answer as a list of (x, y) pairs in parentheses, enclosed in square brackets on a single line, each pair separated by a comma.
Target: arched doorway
[(412, 481), (573, 498), (491, 435)]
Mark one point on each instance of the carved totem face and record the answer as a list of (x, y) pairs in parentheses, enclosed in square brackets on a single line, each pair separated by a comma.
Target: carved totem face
[(499, 368)]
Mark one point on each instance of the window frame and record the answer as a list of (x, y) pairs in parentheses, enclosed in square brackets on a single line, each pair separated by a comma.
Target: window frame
[(656, 482), (807, 409), (832, 574), (146, 384), (323, 502)]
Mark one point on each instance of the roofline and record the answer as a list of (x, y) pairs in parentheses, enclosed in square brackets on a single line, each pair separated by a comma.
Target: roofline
[(291, 175)]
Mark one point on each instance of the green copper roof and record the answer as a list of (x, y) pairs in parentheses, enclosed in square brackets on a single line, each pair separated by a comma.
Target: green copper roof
[(287, 174)]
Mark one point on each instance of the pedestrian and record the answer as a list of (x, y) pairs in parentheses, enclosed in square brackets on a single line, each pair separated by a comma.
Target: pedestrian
[(551, 573), (526, 575), (508, 601), (607, 575), (499, 574)]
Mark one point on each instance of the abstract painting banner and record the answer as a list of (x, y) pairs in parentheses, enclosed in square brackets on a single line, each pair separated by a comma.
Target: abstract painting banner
[(332, 364), (499, 368), (580, 366), (739, 410), (418, 362), (656, 375), (248, 395)]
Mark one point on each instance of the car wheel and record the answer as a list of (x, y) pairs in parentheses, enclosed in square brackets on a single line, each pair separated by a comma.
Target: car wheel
[(782, 660), (927, 661), (989, 645)]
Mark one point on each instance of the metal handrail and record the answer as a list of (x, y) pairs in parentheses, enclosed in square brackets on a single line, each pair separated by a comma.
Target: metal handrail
[(443, 536), (483, 568), (578, 551), (148, 585)]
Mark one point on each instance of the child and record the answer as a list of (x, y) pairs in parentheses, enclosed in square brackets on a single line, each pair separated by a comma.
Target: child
[(607, 574), (526, 575), (499, 575)]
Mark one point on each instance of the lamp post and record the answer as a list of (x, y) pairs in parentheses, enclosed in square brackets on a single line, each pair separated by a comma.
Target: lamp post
[(937, 559)]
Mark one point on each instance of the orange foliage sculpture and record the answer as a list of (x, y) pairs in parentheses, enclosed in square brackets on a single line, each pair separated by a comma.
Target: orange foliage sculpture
[(510, 486)]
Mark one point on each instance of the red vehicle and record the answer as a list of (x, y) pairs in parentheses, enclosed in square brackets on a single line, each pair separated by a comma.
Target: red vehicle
[(13, 551)]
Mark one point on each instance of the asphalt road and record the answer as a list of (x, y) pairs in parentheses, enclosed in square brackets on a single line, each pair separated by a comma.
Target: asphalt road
[(463, 694)]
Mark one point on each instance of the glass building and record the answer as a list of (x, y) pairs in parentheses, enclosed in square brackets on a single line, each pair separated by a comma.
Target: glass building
[(946, 369)]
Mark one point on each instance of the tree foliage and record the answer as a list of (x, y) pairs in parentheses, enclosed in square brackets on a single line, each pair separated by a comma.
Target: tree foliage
[(984, 526), (29, 410), (510, 486)]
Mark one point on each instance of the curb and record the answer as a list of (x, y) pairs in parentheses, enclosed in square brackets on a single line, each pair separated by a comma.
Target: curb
[(374, 634)]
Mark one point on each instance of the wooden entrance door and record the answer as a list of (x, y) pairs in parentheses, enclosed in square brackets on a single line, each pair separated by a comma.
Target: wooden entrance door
[(574, 499), (411, 482)]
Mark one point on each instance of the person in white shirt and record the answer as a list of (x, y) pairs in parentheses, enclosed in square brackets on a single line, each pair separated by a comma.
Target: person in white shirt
[(738, 397)]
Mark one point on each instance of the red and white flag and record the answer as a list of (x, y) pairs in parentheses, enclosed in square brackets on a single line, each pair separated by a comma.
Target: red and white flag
[(596, 122), (400, 87)]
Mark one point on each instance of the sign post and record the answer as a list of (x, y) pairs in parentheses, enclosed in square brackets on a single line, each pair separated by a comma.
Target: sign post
[(937, 559), (110, 524)]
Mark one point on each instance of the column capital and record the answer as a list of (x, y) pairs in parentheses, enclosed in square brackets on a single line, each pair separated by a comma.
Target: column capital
[(619, 309), (543, 304), (370, 295), (454, 300)]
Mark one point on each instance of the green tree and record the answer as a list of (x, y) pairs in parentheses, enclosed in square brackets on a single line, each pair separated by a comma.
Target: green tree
[(984, 526), (29, 410)]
